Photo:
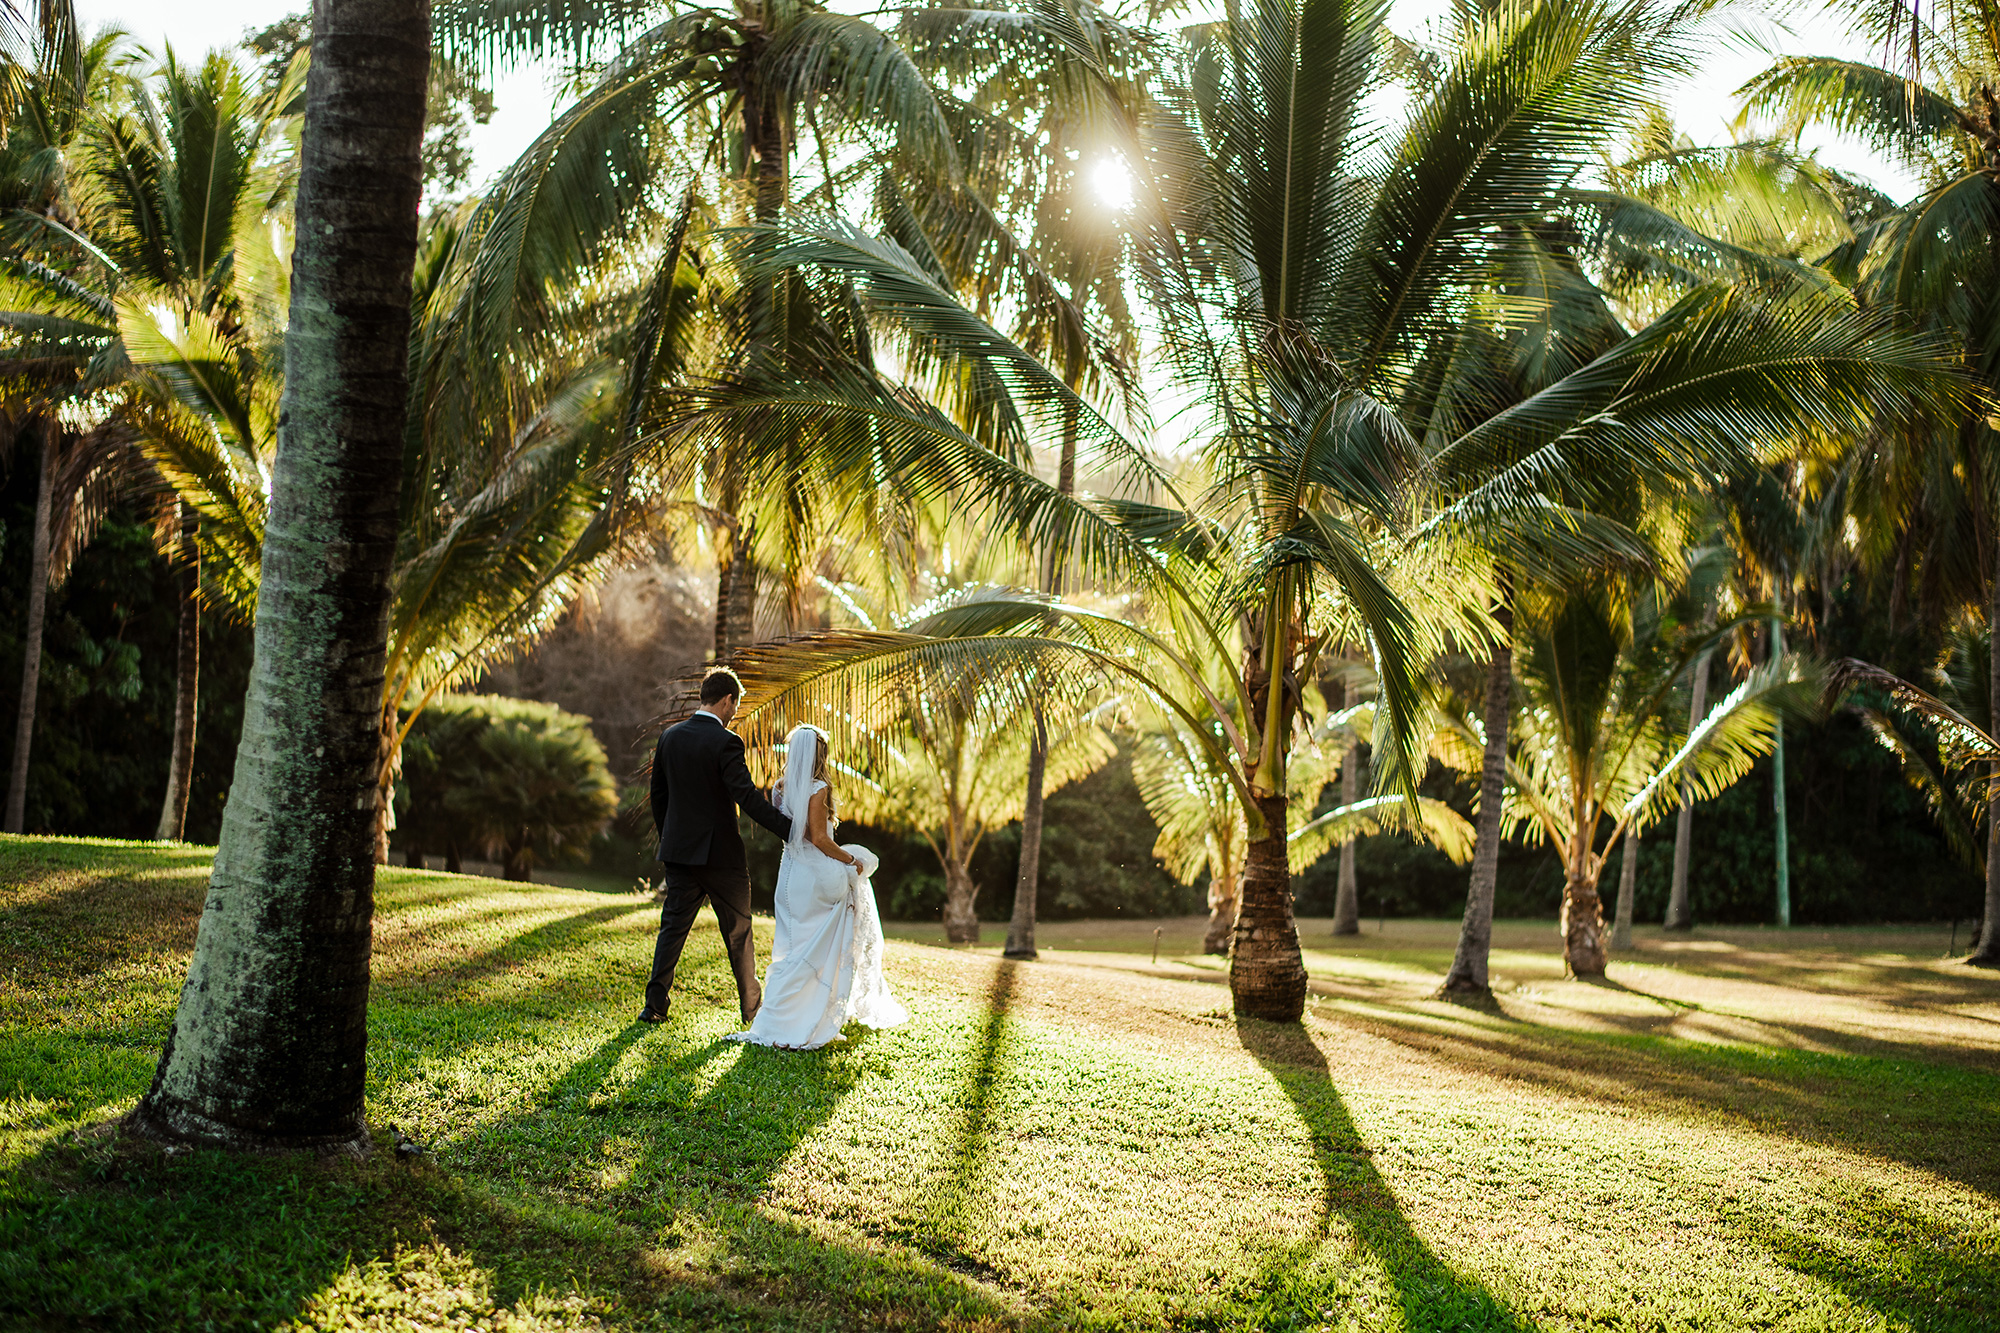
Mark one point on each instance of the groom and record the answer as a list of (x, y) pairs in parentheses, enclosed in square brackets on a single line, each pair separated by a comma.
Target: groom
[(699, 779)]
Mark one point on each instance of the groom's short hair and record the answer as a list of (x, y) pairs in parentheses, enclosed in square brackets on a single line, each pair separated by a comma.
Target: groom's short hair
[(720, 684)]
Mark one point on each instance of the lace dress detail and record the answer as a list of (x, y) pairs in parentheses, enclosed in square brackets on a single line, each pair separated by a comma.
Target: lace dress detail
[(826, 960)]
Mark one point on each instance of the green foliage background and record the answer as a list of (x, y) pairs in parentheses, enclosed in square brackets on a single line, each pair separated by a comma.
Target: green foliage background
[(1863, 847), (105, 708)]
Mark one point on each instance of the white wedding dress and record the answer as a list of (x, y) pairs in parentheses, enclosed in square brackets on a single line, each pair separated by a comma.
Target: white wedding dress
[(826, 963)]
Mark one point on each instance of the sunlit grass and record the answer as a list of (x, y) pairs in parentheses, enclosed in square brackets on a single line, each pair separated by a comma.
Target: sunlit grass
[(1089, 1141)]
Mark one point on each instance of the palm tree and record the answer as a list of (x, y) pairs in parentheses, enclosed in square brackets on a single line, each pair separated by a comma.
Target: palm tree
[(268, 1047), (52, 360), (494, 531), (177, 177), (1348, 286), (1592, 740), (950, 770), (1202, 828), (1021, 232), (723, 98), (1647, 238), (162, 178), (1936, 262)]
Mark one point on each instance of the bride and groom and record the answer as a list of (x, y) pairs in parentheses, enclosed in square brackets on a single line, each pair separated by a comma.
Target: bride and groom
[(826, 962)]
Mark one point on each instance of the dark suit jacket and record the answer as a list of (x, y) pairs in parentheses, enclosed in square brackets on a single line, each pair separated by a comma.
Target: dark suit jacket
[(699, 778)]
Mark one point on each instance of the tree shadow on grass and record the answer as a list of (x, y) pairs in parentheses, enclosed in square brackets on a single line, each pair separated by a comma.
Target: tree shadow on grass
[(1914, 1270), (714, 1125), (948, 1217), (106, 1232), (1928, 1114), (1432, 1294)]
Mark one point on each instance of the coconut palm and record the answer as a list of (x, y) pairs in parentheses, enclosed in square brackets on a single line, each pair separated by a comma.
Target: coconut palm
[(1021, 232), (1934, 106), (496, 532), (1202, 829), (950, 771), (720, 99), (268, 1047), (1595, 751), (183, 294), (1649, 240), (178, 176), (53, 360), (1348, 287)]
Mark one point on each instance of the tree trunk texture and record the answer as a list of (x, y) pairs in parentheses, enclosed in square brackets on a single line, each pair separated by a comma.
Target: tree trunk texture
[(519, 866), (1678, 915), (454, 860), (725, 574), (269, 1048), (1468, 974), (1347, 896), (735, 587), (1628, 885), (767, 152), (1987, 952), (31, 635), (961, 921), (1027, 881), (187, 683), (1582, 909), (1267, 978), (386, 767), (1224, 890), (1780, 833)]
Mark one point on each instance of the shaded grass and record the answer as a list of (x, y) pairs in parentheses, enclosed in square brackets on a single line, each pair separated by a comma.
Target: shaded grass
[(1073, 1143)]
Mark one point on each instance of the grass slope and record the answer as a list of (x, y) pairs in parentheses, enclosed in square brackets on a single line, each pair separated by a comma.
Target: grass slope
[(1761, 1134)]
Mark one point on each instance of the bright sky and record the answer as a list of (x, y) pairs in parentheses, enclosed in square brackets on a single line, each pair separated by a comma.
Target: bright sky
[(524, 104)]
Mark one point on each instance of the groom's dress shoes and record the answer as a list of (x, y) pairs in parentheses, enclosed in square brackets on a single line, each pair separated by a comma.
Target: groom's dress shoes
[(652, 1015)]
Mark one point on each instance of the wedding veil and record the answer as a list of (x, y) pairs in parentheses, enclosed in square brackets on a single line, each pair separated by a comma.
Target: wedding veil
[(796, 788)]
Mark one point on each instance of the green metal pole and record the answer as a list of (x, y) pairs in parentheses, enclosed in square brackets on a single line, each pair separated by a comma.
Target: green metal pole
[(1778, 796)]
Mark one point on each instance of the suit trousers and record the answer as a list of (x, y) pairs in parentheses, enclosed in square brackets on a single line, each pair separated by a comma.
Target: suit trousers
[(728, 888)]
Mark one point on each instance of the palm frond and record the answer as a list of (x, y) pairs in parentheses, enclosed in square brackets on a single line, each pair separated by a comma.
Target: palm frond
[(1897, 116)]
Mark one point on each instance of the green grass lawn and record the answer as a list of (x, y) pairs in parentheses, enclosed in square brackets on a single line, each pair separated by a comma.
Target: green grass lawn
[(1740, 1129)]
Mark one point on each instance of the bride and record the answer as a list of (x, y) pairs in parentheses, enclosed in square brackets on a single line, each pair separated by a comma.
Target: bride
[(826, 964)]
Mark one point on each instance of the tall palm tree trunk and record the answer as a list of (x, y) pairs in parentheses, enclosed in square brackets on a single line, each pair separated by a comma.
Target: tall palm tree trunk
[(1347, 893), (1267, 976), (961, 917), (1225, 890), (1628, 887), (1582, 909), (31, 635), (269, 1047), (1678, 915), (1781, 833), (386, 767), (767, 150), (1475, 934), (1028, 878), (741, 605), (1987, 952), (187, 684)]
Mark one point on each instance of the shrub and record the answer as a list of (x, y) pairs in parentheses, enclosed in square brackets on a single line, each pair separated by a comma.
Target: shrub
[(524, 782)]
